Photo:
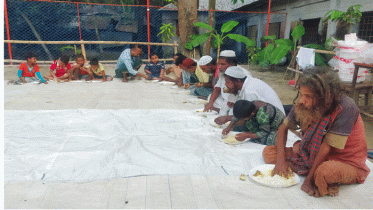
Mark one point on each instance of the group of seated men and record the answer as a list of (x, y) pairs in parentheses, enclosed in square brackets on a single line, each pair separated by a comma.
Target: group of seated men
[(332, 149)]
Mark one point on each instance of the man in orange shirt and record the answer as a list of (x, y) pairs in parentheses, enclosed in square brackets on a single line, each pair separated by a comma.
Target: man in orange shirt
[(333, 149), (28, 70)]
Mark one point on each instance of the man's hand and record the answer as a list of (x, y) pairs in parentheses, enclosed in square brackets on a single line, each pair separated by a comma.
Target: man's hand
[(84, 69), (186, 86), (310, 189), (199, 84), (23, 79), (221, 120), (226, 131), (168, 70), (296, 147), (282, 169), (230, 104), (147, 71), (208, 107), (241, 136)]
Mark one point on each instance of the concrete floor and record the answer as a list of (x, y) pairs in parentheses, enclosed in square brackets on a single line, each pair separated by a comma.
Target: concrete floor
[(158, 191)]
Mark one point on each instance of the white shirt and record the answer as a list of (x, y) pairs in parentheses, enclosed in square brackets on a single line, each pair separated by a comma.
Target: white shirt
[(255, 89), (221, 84)]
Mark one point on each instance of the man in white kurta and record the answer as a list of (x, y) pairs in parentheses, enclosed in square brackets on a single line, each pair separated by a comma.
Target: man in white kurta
[(252, 88), (218, 100)]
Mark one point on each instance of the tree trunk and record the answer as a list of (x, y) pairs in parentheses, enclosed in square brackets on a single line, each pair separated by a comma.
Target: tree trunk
[(187, 16), (36, 34), (211, 18)]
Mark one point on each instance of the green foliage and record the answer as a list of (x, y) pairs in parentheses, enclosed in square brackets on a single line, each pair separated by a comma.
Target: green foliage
[(297, 33), (228, 26), (286, 42), (204, 25), (167, 32), (235, 1), (279, 53), (67, 47), (276, 49), (217, 39), (351, 16), (239, 38), (266, 38)]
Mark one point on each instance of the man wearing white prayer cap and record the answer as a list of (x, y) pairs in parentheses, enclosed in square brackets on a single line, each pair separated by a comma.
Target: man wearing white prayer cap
[(218, 100), (228, 53), (204, 87), (247, 88)]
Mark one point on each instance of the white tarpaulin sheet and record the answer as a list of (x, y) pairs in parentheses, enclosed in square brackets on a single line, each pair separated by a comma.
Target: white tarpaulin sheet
[(84, 145)]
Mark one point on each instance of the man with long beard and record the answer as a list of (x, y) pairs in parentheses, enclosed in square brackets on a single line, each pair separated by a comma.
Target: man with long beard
[(333, 148)]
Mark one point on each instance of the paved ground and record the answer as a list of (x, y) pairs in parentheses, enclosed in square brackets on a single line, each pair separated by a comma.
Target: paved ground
[(154, 191)]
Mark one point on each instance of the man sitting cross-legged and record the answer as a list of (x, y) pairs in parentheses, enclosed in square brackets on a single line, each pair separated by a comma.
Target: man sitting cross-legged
[(333, 149)]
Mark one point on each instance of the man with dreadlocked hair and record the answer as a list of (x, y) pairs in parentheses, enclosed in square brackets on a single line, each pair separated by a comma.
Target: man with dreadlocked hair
[(333, 148)]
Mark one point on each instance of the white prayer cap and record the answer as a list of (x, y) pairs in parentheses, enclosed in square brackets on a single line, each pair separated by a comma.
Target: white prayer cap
[(235, 72), (204, 60), (228, 53)]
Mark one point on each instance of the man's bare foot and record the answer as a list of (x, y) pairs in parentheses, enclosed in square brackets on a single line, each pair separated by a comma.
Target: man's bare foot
[(124, 80), (333, 190), (310, 189)]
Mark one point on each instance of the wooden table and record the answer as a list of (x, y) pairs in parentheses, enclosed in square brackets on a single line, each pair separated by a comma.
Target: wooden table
[(354, 89)]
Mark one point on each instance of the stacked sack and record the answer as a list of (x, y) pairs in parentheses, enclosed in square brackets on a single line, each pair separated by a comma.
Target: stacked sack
[(347, 52)]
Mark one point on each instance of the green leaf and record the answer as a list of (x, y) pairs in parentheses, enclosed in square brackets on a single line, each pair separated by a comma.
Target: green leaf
[(298, 32), (188, 46), (266, 52), (320, 60), (279, 53), (199, 39), (286, 42), (335, 15), (272, 37), (239, 38), (315, 46), (204, 25), (228, 26)]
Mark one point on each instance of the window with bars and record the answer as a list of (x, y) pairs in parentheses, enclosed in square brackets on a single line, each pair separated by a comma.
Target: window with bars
[(366, 27)]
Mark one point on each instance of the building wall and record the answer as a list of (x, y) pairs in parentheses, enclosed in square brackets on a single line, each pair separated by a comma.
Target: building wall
[(311, 9), (226, 5)]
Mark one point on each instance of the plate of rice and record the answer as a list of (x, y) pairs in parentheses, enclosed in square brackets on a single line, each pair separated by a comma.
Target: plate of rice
[(152, 81), (167, 83), (231, 138), (262, 175), (213, 123), (204, 114)]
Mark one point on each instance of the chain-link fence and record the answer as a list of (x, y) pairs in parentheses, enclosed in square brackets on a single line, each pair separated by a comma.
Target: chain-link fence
[(68, 21)]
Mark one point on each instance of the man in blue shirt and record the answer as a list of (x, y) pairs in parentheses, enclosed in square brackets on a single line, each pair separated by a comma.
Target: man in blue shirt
[(126, 63)]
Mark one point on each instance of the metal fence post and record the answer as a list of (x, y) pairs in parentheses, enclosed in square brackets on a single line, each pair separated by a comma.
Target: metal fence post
[(7, 32), (80, 31)]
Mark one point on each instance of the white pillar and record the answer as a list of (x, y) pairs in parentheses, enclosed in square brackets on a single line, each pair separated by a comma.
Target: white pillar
[(288, 22), (332, 26)]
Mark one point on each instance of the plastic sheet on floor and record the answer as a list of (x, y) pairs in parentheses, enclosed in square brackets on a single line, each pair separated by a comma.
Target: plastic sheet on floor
[(85, 145)]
